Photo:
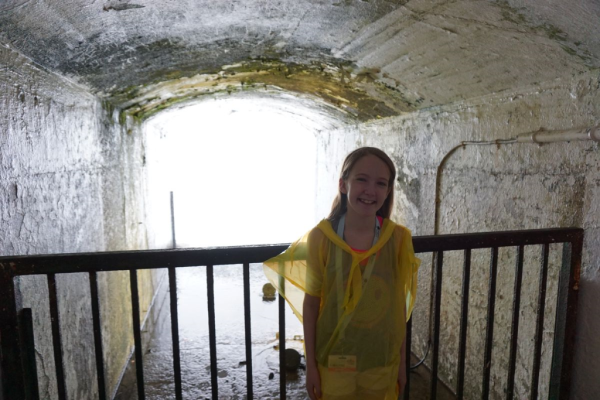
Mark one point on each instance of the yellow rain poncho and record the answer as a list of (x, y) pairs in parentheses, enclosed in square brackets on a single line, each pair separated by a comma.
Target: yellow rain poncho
[(365, 303)]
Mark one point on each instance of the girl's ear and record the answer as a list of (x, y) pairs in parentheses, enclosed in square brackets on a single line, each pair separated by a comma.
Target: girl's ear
[(342, 186)]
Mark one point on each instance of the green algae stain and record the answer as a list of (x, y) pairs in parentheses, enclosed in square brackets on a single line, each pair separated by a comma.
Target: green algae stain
[(338, 85), (569, 50), (553, 32), (513, 16)]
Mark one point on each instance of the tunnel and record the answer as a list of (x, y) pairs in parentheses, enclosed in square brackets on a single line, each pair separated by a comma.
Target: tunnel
[(490, 110)]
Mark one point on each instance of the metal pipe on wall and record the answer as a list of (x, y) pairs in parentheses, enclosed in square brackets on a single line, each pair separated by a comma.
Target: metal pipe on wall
[(544, 136), (540, 136)]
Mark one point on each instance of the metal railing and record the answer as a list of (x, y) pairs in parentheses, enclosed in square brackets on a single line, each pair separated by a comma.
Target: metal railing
[(19, 380)]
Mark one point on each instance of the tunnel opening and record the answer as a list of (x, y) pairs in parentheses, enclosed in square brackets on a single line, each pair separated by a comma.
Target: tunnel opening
[(242, 170)]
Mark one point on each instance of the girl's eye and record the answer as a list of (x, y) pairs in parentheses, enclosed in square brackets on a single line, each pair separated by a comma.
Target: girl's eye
[(361, 179), (382, 184)]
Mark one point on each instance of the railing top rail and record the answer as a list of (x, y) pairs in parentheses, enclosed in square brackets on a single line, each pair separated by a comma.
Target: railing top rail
[(153, 259), (139, 259), (480, 240)]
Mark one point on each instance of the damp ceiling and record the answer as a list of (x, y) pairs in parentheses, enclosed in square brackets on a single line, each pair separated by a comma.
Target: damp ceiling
[(371, 58)]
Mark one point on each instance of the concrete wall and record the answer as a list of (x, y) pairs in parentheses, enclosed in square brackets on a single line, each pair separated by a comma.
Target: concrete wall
[(70, 183), (486, 188), (332, 148)]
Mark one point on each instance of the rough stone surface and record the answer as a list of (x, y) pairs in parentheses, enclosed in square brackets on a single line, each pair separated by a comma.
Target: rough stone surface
[(203, 36), (558, 17), (427, 52), (68, 179)]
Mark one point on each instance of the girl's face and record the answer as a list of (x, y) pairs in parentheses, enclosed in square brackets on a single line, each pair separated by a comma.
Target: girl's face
[(367, 186)]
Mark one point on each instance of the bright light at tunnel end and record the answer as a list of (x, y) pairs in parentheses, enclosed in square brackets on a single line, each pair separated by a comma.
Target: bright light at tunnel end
[(242, 171)]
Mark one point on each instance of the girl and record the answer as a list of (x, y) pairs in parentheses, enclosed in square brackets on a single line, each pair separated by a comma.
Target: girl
[(352, 281)]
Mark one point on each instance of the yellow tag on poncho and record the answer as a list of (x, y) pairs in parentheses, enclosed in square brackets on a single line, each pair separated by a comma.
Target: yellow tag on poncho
[(362, 320)]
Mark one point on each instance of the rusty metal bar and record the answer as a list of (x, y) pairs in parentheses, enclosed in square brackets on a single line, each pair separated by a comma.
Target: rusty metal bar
[(137, 336), (464, 316), (175, 332), (282, 376), (248, 332), (489, 335), (28, 348), (153, 259), (210, 286), (436, 324), (566, 317), (482, 240), (93, 278), (173, 238), (539, 324), (12, 384), (514, 332), (56, 338), (141, 259), (408, 339)]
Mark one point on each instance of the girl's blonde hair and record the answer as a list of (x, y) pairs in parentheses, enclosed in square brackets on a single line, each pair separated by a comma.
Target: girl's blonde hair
[(339, 206)]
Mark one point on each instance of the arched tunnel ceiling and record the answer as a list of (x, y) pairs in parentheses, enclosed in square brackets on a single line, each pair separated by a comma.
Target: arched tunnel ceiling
[(370, 58)]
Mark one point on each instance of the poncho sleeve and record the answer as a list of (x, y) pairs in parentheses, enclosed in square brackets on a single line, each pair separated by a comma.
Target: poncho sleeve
[(410, 269), (316, 261), (298, 270)]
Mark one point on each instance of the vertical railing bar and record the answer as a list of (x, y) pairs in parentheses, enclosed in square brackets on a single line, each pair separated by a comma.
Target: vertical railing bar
[(173, 238), (175, 332), (408, 339), (93, 278), (514, 332), (56, 337), (539, 324), (566, 317), (282, 376), (248, 328), (30, 375), (11, 378), (489, 336), (464, 318), (137, 336), (210, 286), (436, 324)]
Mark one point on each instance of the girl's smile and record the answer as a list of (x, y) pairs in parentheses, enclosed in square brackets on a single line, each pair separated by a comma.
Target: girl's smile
[(367, 186)]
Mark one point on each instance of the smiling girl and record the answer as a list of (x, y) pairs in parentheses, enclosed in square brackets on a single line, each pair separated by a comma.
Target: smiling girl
[(352, 281)]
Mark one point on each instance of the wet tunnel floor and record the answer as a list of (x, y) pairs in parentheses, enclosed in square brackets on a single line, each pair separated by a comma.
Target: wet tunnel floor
[(229, 321)]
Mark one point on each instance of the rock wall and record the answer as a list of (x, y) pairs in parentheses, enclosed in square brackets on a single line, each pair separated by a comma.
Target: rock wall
[(332, 148), (70, 183), (504, 187)]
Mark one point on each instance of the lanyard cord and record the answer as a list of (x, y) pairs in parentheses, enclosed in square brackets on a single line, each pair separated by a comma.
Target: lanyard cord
[(342, 224), (339, 267)]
